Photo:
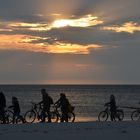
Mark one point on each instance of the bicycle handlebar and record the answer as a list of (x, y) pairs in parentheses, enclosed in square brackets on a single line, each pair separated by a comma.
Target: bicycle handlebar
[(35, 105)]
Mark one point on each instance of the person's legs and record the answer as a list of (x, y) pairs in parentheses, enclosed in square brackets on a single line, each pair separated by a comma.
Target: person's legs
[(66, 117), (49, 115), (20, 117), (111, 115), (2, 113), (43, 115), (63, 117), (14, 117)]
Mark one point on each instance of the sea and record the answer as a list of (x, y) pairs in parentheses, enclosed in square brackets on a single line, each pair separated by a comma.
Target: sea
[(88, 100)]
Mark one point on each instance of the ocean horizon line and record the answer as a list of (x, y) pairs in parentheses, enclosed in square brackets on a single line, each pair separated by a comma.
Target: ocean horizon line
[(69, 84)]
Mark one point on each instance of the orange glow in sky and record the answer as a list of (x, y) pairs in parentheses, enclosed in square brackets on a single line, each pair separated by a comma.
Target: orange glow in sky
[(129, 27), (23, 42), (85, 21)]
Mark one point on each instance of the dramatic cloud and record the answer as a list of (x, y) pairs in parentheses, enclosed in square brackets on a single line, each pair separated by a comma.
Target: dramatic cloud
[(85, 21), (30, 43), (129, 27), (70, 41)]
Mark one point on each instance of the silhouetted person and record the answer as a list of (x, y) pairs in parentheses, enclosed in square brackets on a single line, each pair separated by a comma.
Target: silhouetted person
[(63, 103), (113, 107), (16, 108), (2, 106), (46, 103)]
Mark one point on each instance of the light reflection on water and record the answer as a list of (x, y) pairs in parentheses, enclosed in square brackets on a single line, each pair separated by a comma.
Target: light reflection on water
[(85, 119)]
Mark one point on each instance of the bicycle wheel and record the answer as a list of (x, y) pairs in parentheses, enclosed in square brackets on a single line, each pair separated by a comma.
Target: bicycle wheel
[(30, 116), (103, 116), (9, 115), (119, 115), (135, 116), (71, 117), (54, 117)]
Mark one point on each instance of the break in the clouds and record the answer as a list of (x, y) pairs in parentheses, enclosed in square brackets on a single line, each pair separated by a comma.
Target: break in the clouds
[(83, 24), (129, 27), (37, 43), (73, 41)]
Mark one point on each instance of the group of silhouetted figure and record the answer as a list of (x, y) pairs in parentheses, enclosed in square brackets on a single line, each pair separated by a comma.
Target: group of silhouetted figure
[(46, 103), (66, 108)]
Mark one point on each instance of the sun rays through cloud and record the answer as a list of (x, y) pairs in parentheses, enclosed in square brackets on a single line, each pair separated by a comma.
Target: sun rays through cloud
[(33, 36), (85, 21), (15, 35)]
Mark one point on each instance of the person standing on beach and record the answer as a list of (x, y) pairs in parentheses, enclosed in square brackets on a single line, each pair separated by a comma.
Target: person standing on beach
[(46, 103), (113, 107), (2, 106), (64, 104)]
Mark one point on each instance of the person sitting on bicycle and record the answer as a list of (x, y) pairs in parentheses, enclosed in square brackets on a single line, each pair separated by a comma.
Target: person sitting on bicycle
[(2, 107), (63, 103), (113, 107), (46, 103), (16, 109)]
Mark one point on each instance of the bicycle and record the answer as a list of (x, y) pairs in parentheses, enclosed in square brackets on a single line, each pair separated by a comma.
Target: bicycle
[(18, 119), (135, 116), (35, 113), (8, 114), (104, 115), (71, 114)]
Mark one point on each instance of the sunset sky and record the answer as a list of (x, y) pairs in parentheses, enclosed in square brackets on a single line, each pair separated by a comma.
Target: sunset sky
[(69, 42)]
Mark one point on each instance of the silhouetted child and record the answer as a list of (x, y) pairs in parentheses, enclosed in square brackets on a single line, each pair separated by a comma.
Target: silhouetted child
[(113, 107), (16, 109)]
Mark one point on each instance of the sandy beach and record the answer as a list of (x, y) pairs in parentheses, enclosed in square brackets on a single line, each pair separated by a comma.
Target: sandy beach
[(72, 131)]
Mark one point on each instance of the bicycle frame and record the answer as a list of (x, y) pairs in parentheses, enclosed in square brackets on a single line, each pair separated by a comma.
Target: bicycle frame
[(37, 109)]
